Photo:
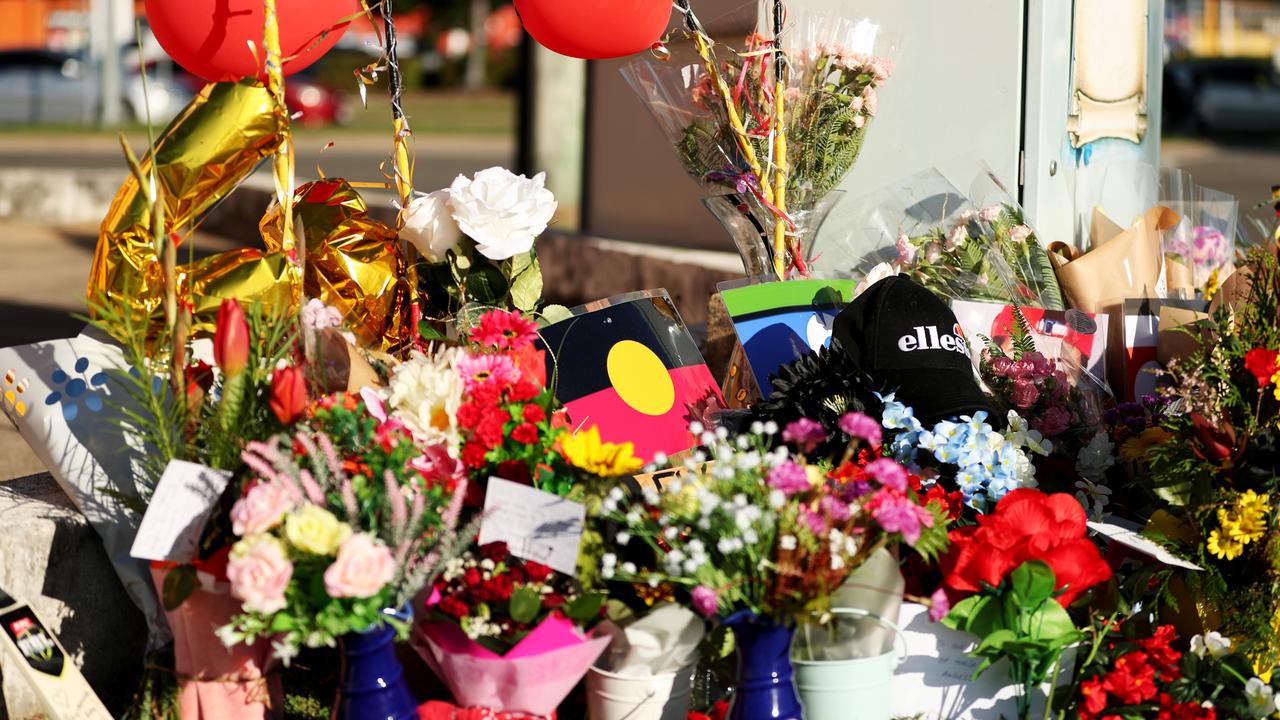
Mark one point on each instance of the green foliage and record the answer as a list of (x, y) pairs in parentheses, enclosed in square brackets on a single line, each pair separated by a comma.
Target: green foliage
[(1019, 621)]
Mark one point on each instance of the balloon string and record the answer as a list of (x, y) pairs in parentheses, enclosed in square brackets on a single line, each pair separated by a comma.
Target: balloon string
[(402, 160)]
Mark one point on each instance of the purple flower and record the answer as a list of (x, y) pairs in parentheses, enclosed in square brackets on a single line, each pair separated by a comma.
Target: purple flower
[(835, 509), (1025, 394), (939, 605), (705, 601), (862, 426), (804, 434), (889, 473), (815, 521), (790, 478), (851, 491)]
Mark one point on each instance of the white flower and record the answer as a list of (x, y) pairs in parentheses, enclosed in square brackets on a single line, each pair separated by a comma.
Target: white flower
[(695, 428), (1214, 643), (429, 225), (229, 635), (426, 392), (771, 428), (503, 212), (284, 650), (629, 568), (837, 562), (757, 428), (725, 545), (1096, 457), (777, 499), (1262, 699), (623, 537), (787, 542), (1092, 497)]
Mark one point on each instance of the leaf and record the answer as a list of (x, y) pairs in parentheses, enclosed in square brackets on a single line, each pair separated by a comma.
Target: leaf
[(178, 586), (429, 332), (1051, 622), (486, 285), (962, 612), (524, 605), (994, 643), (526, 281), (585, 608), (553, 314), (1032, 583)]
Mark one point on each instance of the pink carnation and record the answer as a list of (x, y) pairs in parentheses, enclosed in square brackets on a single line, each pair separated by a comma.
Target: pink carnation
[(790, 478), (1025, 394), (895, 513), (261, 508), (804, 433), (990, 212), (862, 426), (364, 566), (939, 605), (259, 573), (705, 601), (906, 251), (889, 473), (1019, 233)]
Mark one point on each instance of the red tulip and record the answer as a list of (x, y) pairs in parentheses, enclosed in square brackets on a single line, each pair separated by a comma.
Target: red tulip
[(288, 394), (231, 339)]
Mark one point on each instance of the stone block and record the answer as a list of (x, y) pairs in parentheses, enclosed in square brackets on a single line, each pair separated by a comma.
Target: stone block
[(51, 559)]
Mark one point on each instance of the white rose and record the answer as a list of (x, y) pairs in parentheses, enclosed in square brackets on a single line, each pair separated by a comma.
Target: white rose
[(430, 227), (503, 212)]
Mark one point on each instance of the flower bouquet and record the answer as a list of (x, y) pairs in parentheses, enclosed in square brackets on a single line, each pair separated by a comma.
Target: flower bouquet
[(1213, 460), (762, 538), (507, 634), (775, 127)]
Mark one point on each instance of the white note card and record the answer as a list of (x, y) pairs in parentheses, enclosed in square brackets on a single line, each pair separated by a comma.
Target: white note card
[(1131, 538), (935, 678), (535, 525), (179, 509)]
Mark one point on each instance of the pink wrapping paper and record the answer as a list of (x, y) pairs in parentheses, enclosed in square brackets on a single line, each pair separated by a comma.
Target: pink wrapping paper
[(218, 683), (533, 678)]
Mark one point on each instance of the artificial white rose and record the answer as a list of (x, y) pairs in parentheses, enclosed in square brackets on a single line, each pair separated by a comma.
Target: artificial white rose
[(429, 225), (503, 212)]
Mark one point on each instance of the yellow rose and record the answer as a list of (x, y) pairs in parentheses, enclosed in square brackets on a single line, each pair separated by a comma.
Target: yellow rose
[(315, 530)]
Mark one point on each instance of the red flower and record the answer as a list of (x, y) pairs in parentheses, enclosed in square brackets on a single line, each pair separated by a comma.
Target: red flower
[(1095, 697), (952, 503), (475, 455), (231, 339), (1164, 658), (552, 600), (1262, 363), (469, 415), (504, 330), (490, 430), (288, 394), (525, 433), (471, 577), (497, 588), (537, 572), (1133, 679), (516, 471), (523, 391), (532, 364), (1026, 525), (533, 413), (495, 551), (453, 607)]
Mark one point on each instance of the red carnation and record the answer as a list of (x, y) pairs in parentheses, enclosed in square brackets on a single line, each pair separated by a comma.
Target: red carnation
[(453, 607), (533, 413), (474, 455), (1262, 363), (497, 588), (469, 415), (537, 571), (471, 577), (523, 391), (525, 434)]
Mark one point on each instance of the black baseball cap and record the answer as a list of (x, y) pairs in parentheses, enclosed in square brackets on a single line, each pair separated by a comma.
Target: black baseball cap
[(910, 343)]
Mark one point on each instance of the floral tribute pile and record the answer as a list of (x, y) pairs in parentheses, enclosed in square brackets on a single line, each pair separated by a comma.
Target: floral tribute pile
[(365, 424)]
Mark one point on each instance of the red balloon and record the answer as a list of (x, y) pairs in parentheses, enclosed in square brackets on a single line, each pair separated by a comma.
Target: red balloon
[(210, 38), (595, 29)]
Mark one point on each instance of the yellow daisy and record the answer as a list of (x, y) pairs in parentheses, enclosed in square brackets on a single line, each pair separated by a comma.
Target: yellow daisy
[(586, 451)]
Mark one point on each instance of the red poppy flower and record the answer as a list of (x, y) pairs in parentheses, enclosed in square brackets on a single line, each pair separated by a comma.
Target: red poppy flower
[(1262, 363)]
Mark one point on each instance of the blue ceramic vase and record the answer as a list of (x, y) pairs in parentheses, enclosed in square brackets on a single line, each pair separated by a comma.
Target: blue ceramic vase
[(765, 687), (372, 685)]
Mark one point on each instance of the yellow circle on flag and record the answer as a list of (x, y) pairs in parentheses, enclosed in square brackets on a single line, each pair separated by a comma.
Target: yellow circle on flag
[(640, 378)]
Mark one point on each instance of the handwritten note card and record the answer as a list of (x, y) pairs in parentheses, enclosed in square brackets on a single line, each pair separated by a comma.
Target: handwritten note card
[(1130, 537), (935, 679), (535, 525), (178, 512)]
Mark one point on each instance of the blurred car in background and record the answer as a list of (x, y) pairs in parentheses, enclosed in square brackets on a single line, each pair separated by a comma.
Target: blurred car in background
[(312, 102), (1222, 95), (45, 86)]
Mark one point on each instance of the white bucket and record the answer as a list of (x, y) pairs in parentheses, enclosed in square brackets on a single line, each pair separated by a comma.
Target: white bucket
[(653, 697), (856, 689)]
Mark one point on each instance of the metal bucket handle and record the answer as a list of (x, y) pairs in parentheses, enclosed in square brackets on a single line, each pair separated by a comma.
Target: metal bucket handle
[(892, 626)]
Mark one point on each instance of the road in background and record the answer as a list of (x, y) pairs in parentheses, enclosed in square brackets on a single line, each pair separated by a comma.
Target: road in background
[(1246, 171)]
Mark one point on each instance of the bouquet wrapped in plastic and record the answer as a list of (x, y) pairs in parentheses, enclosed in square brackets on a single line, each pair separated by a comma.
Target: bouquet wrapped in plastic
[(773, 129), (1199, 249)]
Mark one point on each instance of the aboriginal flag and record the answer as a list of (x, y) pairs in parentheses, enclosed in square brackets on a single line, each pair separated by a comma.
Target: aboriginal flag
[(629, 366)]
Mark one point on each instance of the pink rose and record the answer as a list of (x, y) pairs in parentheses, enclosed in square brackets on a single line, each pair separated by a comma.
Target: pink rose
[(260, 509), (364, 566), (259, 572)]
